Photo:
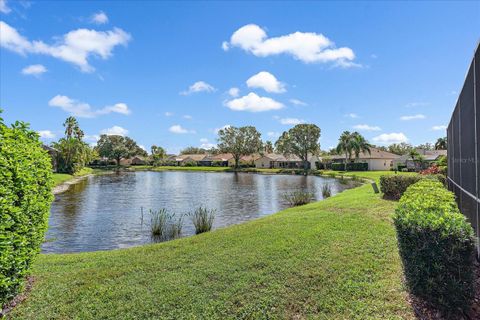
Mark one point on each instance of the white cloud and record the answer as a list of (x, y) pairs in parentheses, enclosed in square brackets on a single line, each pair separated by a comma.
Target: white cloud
[(291, 121), (188, 117), (75, 47), (84, 110), (416, 104), (179, 129), (115, 131), (203, 140), (91, 138), (253, 103), (297, 102), (267, 82), (206, 144), (225, 46), (351, 115), (168, 114), (3, 7), (199, 86), (307, 47), (221, 128), (46, 134), (439, 128), (99, 18), (366, 127), (143, 147), (34, 70), (414, 117), (389, 138), (273, 134), (234, 92)]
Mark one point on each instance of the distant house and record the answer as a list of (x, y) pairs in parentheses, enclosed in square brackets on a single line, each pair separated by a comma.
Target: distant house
[(218, 160), (185, 159), (428, 156), (52, 152), (377, 159), (280, 161), (138, 161)]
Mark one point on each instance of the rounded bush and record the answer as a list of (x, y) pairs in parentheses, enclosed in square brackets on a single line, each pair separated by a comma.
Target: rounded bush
[(25, 198), (437, 246)]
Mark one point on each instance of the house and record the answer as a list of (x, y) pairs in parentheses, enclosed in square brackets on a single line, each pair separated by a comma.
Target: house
[(189, 159), (52, 152), (274, 161), (138, 161), (428, 156), (217, 160), (377, 159)]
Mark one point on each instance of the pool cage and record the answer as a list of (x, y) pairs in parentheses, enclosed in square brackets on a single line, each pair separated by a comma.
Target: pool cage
[(463, 135)]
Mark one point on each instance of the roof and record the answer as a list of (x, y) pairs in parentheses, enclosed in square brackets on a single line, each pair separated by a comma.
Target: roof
[(251, 157), (280, 157), (428, 155), (221, 157), (374, 154), (48, 148), (194, 157)]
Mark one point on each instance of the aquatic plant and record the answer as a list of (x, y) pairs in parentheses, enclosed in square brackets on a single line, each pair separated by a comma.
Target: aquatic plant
[(159, 222), (298, 198), (326, 190), (202, 219)]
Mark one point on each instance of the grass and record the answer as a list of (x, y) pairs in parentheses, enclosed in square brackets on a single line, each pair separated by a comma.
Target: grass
[(60, 178), (333, 259)]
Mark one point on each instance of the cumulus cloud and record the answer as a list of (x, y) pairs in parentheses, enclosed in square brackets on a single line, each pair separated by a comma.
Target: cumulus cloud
[(253, 103), (199, 86), (389, 138), (234, 92), (99, 18), (266, 81), (115, 131), (291, 121), (439, 128), (75, 47), (4, 8), (84, 110), (308, 47), (413, 117), (188, 117), (366, 127), (297, 102), (179, 129), (206, 144), (46, 134), (34, 70), (416, 104)]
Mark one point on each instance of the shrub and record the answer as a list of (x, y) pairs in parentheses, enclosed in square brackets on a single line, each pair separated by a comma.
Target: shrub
[(298, 198), (355, 166), (436, 245), (202, 219), (393, 186), (326, 190), (25, 198), (164, 226)]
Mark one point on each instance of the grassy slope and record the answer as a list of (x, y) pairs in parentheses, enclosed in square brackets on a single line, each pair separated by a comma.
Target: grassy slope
[(334, 259), (60, 178)]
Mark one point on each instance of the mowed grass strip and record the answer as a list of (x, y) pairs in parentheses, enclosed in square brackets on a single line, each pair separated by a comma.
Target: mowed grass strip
[(334, 259)]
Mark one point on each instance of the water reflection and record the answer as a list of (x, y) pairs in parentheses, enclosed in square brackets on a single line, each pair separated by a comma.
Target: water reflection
[(104, 212)]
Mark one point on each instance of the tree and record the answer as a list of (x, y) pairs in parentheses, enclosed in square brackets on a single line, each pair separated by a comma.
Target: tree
[(400, 148), (350, 143), (158, 154), (117, 147), (239, 142), (193, 150), (268, 147), (300, 140), (73, 154), (426, 146), (441, 144)]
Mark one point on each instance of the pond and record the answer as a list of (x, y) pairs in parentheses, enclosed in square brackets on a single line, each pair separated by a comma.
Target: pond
[(104, 212)]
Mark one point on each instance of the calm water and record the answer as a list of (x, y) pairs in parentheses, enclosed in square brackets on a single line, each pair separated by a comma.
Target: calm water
[(104, 212)]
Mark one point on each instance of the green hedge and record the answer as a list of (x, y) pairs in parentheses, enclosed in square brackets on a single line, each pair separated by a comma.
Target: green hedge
[(393, 186), (436, 245), (25, 197), (350, 166)]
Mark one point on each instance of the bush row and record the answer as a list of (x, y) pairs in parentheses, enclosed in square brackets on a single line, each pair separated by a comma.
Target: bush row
[(393, 186), (25, 197), (436, 244), (350, 166)]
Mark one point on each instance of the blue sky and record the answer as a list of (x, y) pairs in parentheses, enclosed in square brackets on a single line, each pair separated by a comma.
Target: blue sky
[(162, 72)]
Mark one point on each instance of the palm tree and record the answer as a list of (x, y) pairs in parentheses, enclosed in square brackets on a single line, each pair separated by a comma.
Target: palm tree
[(268, 147), (441, 144), (349, 143), (71, 127)]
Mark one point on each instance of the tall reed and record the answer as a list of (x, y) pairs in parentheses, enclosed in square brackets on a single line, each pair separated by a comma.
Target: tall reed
[(298, 198), (202, 219), (326, 190)]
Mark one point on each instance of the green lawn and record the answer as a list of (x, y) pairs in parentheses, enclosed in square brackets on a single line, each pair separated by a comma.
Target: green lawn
[(60, 178), (334, 259)]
